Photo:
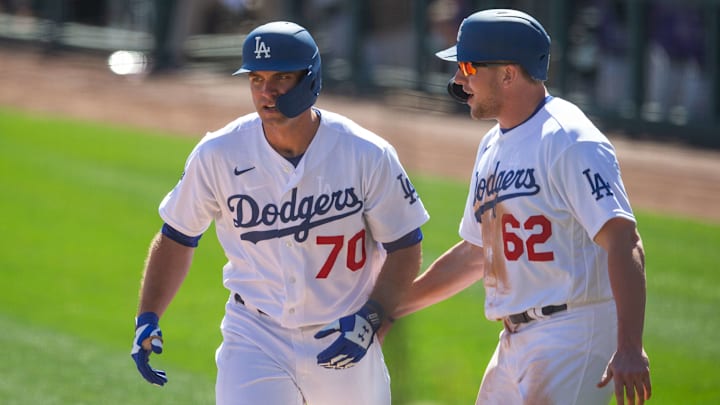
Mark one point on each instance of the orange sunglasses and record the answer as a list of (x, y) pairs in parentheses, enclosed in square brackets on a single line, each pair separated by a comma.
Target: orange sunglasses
[(470, 68)]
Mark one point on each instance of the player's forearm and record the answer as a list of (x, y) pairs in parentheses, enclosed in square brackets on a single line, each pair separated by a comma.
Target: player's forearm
[(396, 276), (457, 269), (626, 270), (627, 277), (167, 265)]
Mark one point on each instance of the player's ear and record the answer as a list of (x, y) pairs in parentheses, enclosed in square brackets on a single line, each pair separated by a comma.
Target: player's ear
[(509, 73)]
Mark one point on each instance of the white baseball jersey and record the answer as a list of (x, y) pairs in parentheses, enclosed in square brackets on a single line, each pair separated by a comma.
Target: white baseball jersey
[(539, 194), (303, 243)]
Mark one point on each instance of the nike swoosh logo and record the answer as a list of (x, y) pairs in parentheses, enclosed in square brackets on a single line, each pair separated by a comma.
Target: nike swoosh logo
[(239, 172)]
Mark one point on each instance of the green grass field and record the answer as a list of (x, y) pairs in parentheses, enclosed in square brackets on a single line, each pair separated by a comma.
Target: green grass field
[(78, 209)]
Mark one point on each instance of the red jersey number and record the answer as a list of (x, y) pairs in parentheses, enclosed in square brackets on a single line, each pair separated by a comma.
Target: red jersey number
[(356, 255), (515, 247)]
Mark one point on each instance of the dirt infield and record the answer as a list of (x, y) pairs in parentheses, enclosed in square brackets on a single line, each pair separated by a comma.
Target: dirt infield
[(662, 178)]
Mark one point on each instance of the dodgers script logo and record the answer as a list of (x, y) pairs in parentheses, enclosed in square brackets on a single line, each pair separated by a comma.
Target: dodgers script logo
[(502, 185), (310, 211), (261, 49)]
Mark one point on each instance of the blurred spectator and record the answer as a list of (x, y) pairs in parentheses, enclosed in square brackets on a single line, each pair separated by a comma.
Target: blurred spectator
[(333, 24), (16, 7), (170, 29), (132, 15), (55, 14), (9, 6), (90, 12), (389, 37), (444, 18), (612, 87), (228, 16), (676, 88)]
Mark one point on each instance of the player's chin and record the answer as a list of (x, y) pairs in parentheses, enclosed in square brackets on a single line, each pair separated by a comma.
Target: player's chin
[(478, 113)]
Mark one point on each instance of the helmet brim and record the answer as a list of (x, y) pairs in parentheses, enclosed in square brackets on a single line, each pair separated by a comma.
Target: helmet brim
[(449, 54), (249, 69)]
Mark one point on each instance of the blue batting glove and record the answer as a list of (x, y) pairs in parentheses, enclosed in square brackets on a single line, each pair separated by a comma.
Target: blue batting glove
[(148, 339), (356, 335)]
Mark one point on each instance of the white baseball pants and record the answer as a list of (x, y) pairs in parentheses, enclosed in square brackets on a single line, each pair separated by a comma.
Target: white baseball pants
[(558, 360), (261, 362)]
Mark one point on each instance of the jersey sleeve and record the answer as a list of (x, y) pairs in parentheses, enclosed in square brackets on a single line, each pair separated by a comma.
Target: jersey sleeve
[(190, 206), (587, 176), (392, 205)]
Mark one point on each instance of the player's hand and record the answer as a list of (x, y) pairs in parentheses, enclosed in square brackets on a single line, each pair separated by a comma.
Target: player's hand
[(356, 335), (148, 339), (630, 370)]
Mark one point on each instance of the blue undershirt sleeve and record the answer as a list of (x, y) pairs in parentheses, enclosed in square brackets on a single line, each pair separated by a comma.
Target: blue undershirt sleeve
[(408, 240), (179, 237)]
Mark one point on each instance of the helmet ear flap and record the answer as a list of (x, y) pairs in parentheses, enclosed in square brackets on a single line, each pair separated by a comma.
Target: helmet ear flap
[(303, 95), (456, 91)]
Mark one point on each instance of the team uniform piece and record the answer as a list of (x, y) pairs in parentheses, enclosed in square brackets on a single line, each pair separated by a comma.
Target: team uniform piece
[(547, 226), (540, 192), (530, 183), (304, 245), (321, 228), (148, 338)]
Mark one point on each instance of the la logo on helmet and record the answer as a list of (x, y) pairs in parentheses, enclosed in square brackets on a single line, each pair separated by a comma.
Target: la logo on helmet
[(261, 48)]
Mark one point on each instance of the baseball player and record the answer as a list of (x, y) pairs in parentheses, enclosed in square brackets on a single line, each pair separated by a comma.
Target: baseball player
[(547, 226), (321, 227)]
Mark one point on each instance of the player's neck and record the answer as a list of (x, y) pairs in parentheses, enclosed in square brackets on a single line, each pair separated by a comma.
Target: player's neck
[(292, 137), (520, 106)]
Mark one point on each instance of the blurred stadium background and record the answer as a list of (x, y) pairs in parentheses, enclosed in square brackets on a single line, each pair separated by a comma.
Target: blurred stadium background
[(643, 69), (638, 66)]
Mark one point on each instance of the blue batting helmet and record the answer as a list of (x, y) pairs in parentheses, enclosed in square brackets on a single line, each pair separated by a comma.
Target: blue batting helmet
[(502, 35), (285, 47)]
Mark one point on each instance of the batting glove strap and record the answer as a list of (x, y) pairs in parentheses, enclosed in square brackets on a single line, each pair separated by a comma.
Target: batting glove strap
[(147, 331), (357, 332), (150, 318), (373, 312)]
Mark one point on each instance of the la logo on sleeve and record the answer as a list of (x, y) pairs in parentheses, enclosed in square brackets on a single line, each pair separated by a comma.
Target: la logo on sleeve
[(598, 185), (408, 189)]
